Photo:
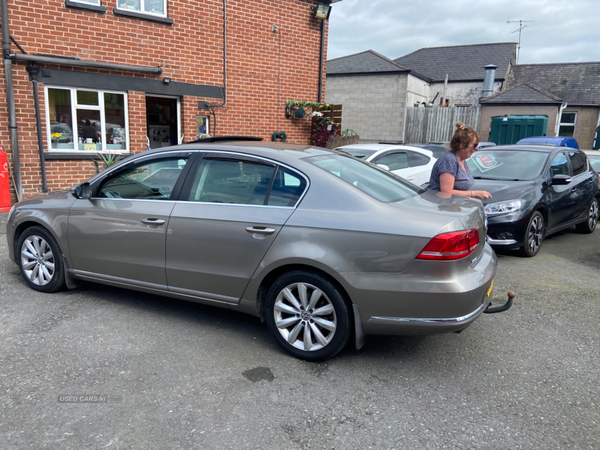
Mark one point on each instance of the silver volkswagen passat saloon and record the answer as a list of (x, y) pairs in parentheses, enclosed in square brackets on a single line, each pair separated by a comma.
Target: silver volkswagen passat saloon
[(324, 247)]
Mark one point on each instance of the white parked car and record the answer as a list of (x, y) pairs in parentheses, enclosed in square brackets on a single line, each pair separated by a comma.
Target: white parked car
[(411, 163)]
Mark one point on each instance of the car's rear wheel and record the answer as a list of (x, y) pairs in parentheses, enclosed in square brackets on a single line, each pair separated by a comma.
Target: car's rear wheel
[(307, 316), (40, 260), (534, 235), (591, 221)]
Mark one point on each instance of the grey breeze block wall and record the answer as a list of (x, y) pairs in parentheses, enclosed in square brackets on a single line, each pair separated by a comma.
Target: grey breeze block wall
[(372, 105)]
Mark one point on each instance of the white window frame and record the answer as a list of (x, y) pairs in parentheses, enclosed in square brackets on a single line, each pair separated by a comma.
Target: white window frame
[(142, 11), (567, 124), (75, 106)]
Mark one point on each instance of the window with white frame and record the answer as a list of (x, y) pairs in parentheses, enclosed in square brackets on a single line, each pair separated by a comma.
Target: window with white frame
[(156, 7), (567, 124), (88, 2), (86, 120)]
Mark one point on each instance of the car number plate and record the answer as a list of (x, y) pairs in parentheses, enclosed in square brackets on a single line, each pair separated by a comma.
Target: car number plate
[(490, 289)]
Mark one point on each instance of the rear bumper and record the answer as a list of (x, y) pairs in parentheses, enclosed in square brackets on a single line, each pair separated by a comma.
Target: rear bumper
[(423, 304), (423, 325)]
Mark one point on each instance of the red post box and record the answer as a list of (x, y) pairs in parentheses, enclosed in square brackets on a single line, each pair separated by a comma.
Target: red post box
[(5, 203)]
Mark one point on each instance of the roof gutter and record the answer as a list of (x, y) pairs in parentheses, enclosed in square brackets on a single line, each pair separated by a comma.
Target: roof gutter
[(80, 63)]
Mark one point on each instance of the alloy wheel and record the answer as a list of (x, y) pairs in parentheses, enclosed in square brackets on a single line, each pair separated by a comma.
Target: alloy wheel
[(535, 234), (593, 215), (37, 260), (305, 317)]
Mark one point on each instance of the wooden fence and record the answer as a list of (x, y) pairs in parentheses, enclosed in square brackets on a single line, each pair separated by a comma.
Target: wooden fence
[(423, 125)]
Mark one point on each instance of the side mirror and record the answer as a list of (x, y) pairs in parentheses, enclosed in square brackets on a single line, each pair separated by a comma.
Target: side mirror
[(384, 167), (560, 180), (82, 191)]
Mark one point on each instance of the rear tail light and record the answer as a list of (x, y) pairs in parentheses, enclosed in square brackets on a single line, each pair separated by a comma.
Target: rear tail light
[(451, 246)]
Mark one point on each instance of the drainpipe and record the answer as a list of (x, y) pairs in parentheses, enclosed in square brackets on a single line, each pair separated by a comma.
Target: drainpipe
[(33, 70), (320, 93), (10, 99), (444, 91), (557, 127)]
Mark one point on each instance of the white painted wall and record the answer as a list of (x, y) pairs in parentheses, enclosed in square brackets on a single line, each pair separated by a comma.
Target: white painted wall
[(418, 91), (464, 93)]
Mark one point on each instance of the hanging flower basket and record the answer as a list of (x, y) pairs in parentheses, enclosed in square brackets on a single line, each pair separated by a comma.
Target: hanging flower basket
[(299, 113)]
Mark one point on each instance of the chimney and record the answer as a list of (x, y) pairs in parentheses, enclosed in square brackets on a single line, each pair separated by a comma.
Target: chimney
[(488, 80)]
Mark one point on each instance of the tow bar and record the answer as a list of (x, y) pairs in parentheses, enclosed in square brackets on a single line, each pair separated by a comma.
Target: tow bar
[(497, 309)]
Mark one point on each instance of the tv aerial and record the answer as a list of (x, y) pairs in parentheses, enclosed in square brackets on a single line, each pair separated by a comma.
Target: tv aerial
[(521, 26)]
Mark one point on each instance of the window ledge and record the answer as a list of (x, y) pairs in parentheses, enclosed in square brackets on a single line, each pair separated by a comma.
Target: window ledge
[(142, 16), (85, 6)]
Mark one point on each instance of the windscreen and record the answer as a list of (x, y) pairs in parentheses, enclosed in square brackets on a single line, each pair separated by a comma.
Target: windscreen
[(506, 165), (378, 183)]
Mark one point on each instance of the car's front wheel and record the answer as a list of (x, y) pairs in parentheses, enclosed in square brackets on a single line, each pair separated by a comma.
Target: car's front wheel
[(534, 235), (307, 316), (40, 260), (591, 220)]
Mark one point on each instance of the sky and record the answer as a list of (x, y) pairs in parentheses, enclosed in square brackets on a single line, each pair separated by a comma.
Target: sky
[(556, 31)]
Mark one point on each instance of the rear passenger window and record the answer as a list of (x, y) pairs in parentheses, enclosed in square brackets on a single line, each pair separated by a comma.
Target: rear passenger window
[(416, 159), (578, 162), (395, 161), (287, 188), (234, 181)]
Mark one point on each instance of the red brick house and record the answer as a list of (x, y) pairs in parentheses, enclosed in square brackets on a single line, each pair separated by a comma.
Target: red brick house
[(119, 76)]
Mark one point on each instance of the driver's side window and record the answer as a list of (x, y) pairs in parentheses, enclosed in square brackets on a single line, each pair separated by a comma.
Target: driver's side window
[(152, 180), (560, 165)]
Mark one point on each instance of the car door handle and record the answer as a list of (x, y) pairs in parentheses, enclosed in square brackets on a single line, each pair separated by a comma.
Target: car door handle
[(260, 230), (151, 221)]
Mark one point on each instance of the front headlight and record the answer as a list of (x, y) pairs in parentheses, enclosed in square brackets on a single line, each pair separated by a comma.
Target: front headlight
[(508, 207)]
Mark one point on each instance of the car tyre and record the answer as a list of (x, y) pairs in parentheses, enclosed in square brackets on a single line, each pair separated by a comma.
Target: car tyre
[(307, 315), (534, 235), (591, 220), (40, 260)]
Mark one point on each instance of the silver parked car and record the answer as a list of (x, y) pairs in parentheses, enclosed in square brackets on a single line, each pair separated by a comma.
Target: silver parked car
[(324, 247)]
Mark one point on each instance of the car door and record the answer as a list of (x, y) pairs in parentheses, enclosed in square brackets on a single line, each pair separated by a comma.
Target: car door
[(562, 199), (583, 189), (119, 234), (229, 214), (421, 166)]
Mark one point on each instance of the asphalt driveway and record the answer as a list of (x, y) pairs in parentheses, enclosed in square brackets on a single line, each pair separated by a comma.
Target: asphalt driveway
[(100, 367)]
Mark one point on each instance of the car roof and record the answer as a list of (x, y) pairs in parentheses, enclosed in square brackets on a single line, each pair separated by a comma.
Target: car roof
[(526, 147), (277, 150), (381, 147)]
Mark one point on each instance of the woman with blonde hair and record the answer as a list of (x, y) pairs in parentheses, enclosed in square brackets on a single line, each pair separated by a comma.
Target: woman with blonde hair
[(450, 173)]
